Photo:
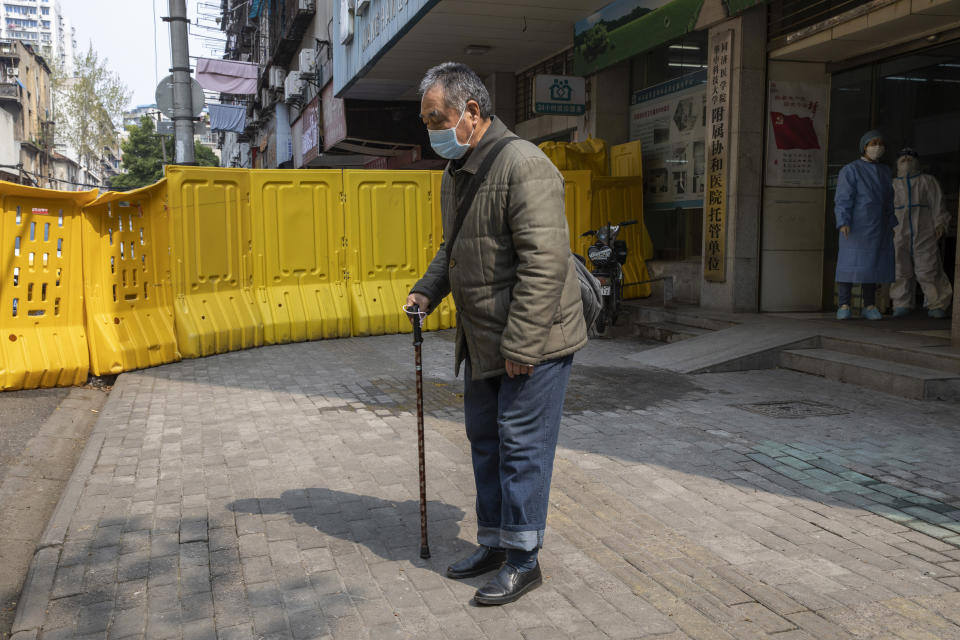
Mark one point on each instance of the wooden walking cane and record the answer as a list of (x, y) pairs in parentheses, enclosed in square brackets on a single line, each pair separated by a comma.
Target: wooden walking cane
[(417, 341)]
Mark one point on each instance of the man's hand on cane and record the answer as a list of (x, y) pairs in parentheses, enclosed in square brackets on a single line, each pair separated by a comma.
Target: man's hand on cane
[(422, 301)]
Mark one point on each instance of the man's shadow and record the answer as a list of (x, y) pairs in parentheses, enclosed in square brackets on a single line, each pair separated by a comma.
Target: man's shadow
[(389, 529)]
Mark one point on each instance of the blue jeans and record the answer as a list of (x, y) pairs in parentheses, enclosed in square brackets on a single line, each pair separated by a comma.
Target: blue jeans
[(845, 292), (512, 425)]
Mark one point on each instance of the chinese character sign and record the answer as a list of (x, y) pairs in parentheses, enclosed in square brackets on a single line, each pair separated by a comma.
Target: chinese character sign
[(796, 134), (718, 157)]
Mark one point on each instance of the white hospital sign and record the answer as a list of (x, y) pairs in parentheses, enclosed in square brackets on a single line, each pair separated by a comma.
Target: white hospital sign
[(559, 95)]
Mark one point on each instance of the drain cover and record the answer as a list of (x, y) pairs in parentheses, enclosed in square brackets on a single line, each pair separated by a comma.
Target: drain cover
[(791, 409)]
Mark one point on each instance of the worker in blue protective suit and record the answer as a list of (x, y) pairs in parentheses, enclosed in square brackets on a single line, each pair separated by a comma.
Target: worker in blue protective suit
[(918, 202), (863, 208)]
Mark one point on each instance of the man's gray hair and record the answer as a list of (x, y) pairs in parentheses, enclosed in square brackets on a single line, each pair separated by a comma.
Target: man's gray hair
[(459, 83)]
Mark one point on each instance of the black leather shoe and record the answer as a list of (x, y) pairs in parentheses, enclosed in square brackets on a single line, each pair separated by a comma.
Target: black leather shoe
[(481, 561), (509, 585)]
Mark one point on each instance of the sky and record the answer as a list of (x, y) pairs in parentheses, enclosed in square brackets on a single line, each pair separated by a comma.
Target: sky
[(124, 32)]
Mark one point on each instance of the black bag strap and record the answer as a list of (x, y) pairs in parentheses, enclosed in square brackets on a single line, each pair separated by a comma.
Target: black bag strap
[(471, 191)]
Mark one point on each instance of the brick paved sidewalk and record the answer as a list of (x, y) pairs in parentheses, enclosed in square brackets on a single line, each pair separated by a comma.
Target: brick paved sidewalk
[(272, 493)]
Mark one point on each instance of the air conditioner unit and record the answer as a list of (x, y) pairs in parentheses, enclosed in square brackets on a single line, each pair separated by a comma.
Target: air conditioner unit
[(265, 97), (13, 71), (308, 61), (291, 88), (276, 77), (346, 21)]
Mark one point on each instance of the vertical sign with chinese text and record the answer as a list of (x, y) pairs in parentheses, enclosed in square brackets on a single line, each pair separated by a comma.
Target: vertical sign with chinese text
[(718, 157)]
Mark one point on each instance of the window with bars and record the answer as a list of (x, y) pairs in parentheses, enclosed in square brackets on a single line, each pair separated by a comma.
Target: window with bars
[(788, 16), (560, 64)]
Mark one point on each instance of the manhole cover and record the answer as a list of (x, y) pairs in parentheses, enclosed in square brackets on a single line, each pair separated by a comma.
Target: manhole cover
[(791, 409)]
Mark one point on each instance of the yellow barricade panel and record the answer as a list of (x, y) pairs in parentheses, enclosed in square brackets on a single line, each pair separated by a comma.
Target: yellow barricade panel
[(299, 254), (212, 245), (626, 160), (42, 339), (616, 200), (444, 316), (129, 302), (389, 220), (577, 208)]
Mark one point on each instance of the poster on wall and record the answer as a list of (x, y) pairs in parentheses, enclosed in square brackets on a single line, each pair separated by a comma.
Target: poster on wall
[(669, 120), (796, 134)]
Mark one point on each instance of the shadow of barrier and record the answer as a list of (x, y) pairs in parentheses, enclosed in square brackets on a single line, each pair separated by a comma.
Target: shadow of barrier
[(43, 342), (126, 267)]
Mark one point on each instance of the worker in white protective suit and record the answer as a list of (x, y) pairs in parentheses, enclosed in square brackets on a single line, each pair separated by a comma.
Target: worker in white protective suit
[(923, 218)]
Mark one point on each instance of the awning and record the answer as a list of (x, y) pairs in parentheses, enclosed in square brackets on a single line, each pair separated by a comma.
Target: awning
[(227, 76), (227, 117), (256, 6), (607, 38)]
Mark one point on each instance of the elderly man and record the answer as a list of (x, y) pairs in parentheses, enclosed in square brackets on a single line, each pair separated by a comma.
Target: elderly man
[(519, 320)]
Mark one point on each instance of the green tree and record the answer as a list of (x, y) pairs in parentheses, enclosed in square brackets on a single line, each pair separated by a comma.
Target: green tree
[(204, 156), (89, 106), (143, 156)]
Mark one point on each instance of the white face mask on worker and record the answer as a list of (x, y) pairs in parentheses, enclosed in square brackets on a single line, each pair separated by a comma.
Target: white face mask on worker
[(875, 152)]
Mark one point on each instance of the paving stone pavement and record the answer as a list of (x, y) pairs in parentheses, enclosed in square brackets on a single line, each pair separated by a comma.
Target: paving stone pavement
[(273, 493)]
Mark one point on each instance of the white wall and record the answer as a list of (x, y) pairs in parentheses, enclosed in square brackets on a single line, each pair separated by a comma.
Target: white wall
[(791, 256), (9, 147)]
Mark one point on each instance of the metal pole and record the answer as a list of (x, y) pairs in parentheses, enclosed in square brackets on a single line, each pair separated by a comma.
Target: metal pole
[(163, 143), (417, 341), (182, 97)]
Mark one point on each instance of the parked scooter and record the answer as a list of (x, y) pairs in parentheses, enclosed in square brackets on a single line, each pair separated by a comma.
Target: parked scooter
[(607, 255)]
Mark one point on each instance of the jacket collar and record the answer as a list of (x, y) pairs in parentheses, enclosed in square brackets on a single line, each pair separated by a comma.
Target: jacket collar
[(471, 163)]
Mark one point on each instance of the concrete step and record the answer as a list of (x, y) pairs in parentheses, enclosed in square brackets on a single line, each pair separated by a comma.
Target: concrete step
[(691, 317), (668, 331), (906, 380), (926, 357)]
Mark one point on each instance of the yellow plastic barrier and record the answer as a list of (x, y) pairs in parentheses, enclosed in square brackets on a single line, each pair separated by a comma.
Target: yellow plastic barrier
[(444, 316), (389, 220), (589, 155), (126, 263), (616, 200), (212, 248), (299, 257), (42, 338), (577, 208), (626, 160)]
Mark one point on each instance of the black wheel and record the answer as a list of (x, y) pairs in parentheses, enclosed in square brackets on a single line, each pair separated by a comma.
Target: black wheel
[(602, 321)]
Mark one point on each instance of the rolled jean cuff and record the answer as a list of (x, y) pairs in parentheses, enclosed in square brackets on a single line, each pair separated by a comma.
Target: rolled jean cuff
[(499, 538)]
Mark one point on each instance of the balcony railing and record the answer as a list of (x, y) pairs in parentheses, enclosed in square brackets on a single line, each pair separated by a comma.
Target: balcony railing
[(9, 91), (289, 20)]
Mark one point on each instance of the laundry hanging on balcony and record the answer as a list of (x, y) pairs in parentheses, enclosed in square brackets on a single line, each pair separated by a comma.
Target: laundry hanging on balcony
[(227, 117), (227, 76)]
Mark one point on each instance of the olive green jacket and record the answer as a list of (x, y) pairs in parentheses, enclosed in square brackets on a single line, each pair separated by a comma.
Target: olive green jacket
[(511, 271)]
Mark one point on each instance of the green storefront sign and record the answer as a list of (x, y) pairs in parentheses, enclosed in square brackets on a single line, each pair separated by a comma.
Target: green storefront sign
[(625, 28)]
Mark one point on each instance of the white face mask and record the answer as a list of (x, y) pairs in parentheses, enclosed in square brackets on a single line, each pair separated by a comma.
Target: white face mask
[(875, 152)]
